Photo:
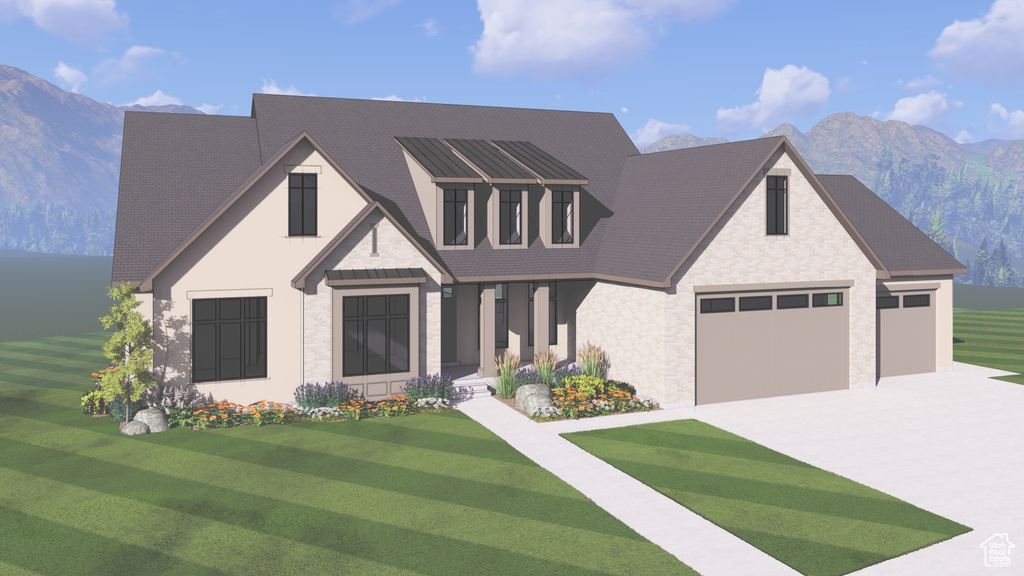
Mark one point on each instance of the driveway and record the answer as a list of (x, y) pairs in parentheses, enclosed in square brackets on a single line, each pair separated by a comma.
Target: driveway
[(949, 442)]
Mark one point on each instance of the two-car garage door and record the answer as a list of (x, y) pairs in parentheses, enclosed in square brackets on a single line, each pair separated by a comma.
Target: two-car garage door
[(759, 344)]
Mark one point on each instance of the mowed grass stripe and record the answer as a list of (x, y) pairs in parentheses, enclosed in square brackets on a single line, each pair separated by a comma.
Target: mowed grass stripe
[(153, 539), (830, 516), (994, 339), (47, 364), (11, 570)]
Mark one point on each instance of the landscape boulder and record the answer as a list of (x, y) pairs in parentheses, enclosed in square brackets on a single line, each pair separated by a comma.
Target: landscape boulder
[(134, 428), (532, 397), (154, 418)]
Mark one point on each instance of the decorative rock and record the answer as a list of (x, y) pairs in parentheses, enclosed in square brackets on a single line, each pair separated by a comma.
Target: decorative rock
[(134, 428), (532, 397), (154, 418)]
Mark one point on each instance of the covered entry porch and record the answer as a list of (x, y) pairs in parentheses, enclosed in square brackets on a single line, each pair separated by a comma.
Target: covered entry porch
[(480, 321)]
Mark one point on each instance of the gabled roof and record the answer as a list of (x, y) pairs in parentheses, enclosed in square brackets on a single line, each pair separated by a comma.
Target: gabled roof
[(903, 249)]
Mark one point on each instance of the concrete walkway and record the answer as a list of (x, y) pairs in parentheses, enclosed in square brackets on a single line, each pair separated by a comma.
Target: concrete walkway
[(948, 442)]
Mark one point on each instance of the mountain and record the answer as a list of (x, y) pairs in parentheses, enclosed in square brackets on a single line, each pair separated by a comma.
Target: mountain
[(681, 141), (60, 156)]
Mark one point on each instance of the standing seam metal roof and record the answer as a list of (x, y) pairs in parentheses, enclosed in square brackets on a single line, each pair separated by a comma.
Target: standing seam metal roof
[(493, 164), (437, 159), (543, 164)]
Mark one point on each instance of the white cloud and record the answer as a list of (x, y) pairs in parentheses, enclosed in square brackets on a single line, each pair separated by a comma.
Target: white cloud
[(580, 38), (923, 108), (430, 28), (271, 87), (130, 65), (845, 85), (1014, 127), (353, 11), (655, 130), (396, 98), (987, 49), (864, 62), (157, 99), (784, 94), (964, 137), (209, 108), (69, 77), (80, 21), (624, 110), (918, 85)]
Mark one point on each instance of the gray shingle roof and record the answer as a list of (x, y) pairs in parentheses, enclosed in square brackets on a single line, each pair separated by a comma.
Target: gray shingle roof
[(902, 248), (176, 170)]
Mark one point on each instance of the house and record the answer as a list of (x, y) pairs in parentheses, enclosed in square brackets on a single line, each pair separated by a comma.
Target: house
[(370, 242)]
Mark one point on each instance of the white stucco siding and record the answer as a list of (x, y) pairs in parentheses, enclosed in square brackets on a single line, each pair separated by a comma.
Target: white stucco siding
[(394, 250), (247, 252), (817, 248)]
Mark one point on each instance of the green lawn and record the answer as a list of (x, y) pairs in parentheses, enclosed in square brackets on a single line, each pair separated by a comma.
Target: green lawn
[(814, 521), (992, 338), (425, 494)]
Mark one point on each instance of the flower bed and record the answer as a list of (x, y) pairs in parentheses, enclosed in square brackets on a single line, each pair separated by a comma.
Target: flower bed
[(572, 403)]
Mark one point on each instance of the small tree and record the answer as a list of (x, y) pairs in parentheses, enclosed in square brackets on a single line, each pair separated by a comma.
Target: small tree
[(130, 348)]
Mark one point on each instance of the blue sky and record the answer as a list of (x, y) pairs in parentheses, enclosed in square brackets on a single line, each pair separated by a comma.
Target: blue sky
[(727, 68)]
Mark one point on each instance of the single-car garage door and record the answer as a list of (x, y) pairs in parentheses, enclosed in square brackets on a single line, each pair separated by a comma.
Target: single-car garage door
[(906, 334), (755, 345)]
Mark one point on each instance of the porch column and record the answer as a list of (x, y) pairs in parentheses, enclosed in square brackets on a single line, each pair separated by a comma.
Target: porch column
[(541, 305), (487, 332)]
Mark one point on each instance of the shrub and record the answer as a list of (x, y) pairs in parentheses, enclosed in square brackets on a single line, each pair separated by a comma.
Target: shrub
[(330, 394), (545, 363), (527, 376), (610, 385), (507, 365), (563, 372), (116, 409), (592, 359), (393, 406), (587, 386), (176, 397), (434, 386), (92, 403)]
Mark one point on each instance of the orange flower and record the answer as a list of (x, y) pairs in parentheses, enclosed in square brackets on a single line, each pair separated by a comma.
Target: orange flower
[(203, 418), (223, 415), (257, 414), (280, 415)]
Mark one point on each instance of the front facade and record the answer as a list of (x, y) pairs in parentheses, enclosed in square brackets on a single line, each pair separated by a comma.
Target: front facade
[(382, 241)]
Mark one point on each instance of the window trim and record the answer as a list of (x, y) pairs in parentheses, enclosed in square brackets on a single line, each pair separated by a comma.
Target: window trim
[(565, 218), (455, 202), (719, 303), (304, 223), (792, 301), (252, 326), (821, 299), (506, 218), (754, 303), (500, 304), (887, 302), (916, 299), (777, 203), (363, 317)]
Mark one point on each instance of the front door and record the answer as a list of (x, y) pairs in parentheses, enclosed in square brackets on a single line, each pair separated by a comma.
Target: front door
[(449, 326)]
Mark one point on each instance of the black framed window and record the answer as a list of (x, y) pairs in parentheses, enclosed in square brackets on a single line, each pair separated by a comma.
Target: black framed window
[(885, 302), (501, 315), (917, 300), (510, 217), (827, 299), (376, 334), (456, 218), (778, 205), (229, 339), (562, 225), (788, 301), (713, 305), (755, 303), (302, 204)]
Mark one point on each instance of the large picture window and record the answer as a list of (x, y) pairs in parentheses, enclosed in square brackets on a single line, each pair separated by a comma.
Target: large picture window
[(510, 217), (229, 339), (456, 218), (376, 334), (778, 205), (302, 204), (562, 227)]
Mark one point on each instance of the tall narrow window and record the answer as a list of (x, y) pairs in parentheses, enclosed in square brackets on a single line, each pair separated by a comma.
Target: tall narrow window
[(376, 334), (456, 218), (501, 315), (302, 204), (229, 339), (562, 226), (511, 217), (778, 205)]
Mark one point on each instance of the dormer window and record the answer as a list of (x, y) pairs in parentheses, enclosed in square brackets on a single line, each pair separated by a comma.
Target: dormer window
[(510, 217), (456, 217), (302, 204), (778, 206), (562, 224)]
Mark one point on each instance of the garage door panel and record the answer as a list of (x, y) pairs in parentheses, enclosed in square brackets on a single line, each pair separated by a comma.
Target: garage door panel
[(906, 340), (732, 343), (812, 350)]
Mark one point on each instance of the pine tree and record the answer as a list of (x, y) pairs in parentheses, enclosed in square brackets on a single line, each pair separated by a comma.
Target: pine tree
[(980, 269)]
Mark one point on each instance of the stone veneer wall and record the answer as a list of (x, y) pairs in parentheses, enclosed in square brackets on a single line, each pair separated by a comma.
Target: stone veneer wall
[(394, 251), (650, 334)]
